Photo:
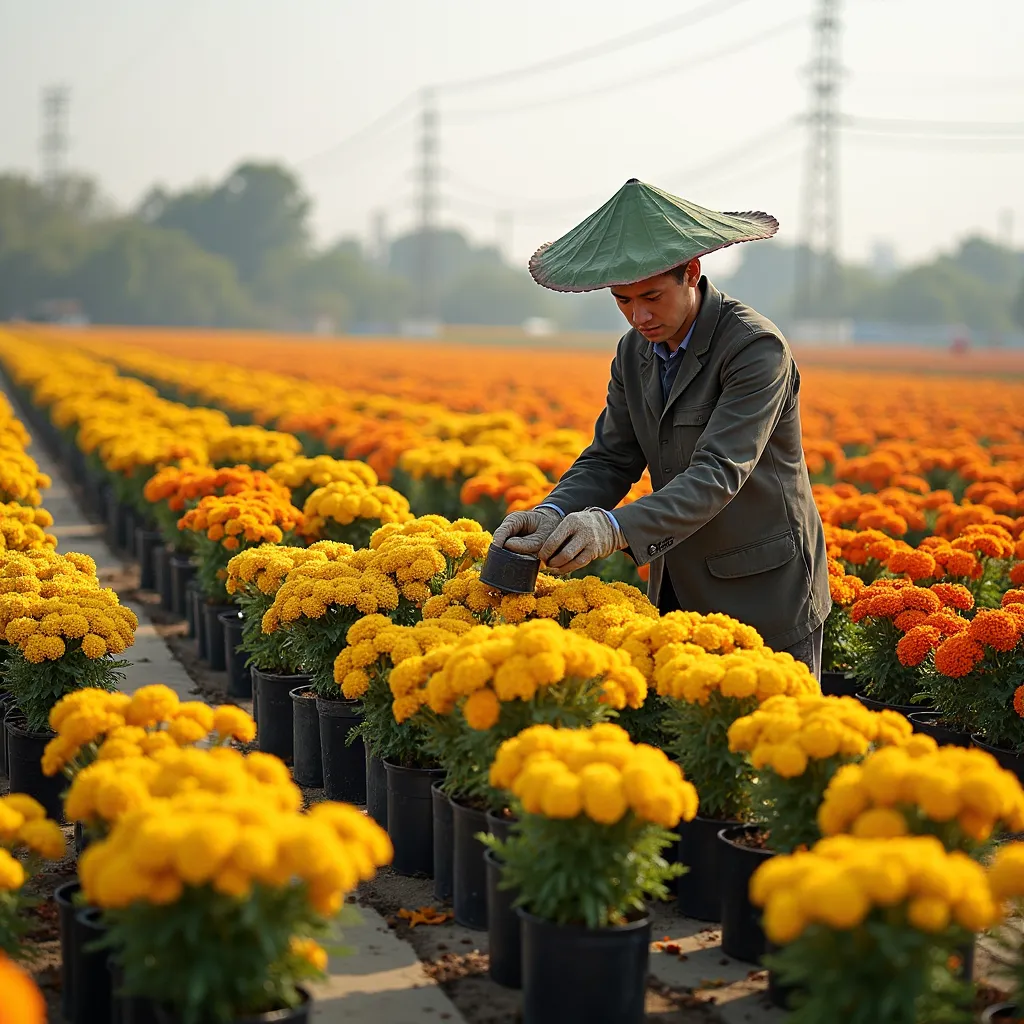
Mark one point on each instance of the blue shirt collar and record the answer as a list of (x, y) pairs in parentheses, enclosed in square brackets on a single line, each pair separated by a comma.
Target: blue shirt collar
[(661, 349)]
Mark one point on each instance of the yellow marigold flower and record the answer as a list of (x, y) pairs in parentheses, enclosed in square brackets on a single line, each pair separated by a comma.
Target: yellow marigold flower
[(482, 709), (44, 837), (151, 705), (12, 874), (229, 720)]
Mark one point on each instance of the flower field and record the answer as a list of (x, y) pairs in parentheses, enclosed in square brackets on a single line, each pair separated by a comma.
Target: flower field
[(320, 512)]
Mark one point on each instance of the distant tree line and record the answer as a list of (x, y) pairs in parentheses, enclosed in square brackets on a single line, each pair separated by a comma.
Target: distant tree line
[(239, 253)]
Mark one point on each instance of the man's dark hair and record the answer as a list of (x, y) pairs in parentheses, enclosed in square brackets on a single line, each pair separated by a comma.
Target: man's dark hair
[(679, 273)]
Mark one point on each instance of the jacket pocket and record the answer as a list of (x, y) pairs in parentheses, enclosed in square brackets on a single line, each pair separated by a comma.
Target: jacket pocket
[(753, 558), (692, 416)]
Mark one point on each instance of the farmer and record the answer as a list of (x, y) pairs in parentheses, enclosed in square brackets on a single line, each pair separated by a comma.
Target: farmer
[(704, 393)]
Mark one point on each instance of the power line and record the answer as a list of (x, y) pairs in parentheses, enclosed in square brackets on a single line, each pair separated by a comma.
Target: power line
[(364, 133), (620, 42), (675, 67), (910, 126)]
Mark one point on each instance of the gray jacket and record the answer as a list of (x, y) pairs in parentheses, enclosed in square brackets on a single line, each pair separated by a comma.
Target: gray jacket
[(731, 518)]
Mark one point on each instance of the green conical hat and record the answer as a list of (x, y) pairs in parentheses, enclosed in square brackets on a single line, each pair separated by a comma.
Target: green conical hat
[(640, 232)]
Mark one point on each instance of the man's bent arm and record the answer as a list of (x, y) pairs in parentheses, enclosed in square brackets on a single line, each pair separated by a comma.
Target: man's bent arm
[(757, 389), (604, 472)]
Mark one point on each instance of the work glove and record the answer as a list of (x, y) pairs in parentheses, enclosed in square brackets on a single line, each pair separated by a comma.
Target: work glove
[(525, 532), (579, 539)]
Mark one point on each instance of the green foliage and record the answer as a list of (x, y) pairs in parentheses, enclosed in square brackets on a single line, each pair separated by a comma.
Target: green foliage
[(315, 643), (788, 808), (399, 743), (836, 640), (36, 688), (645, 724), (578, 872), (15, 921), (875, 665), (466, 754), (982, 701), (269, 652), (213, 959), (882, 970), (698, 740)]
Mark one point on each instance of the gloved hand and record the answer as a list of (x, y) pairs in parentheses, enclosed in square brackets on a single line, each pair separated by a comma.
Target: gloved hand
[(580, 538), (525, 532)]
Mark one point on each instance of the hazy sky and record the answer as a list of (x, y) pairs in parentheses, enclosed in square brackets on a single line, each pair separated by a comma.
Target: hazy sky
[(176, 91)]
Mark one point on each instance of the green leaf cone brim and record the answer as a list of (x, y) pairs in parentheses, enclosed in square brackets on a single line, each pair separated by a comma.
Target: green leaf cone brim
[(640, 232)]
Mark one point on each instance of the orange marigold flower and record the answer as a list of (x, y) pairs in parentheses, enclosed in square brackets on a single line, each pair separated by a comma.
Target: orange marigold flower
[(946, 622), (885, 605), (957, 655), (954, 595), (1018, 700), (960, 563), (915, 565), (921, 599), (915, 645), (907, 620), (996, 628), (1013, 597), (1017, 574)]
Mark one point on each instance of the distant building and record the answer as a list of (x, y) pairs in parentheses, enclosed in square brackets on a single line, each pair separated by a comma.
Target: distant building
[(883, 259)]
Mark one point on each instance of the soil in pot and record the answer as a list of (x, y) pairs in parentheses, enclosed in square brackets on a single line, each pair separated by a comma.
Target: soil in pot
[(411, 817), (216, 652), (308, 766), (469, 872), (24, 764), (344, 762), (64, 896), (1008, 759), (376, 789), (742, 851), (930, 723), (93, 994), (273, 709), (577, 975), (239, 678), (699, 891), (444, 843), (504, 932)]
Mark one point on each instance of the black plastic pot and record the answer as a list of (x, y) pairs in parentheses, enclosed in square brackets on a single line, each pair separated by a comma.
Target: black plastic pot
[(128, 540), (117, 522), (308, 766), (742, 936), (444, 843), (93, 991), (128, 1009), (1000, 1013), (300, 1014), (216, 653), (199, 625), (6, 703), (63, 896), (377, 789), (410, 820), (146, 543), (191, 601), (699, 891), (344, 763), (273, 710), (1008, 759), (239, 677), (877, 705), (576, 975), (504, 932), (927, 722), (24, 766), (469, 872), (162, 576), (838, 684), (182, 571), (510, 571), (499, 825)]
